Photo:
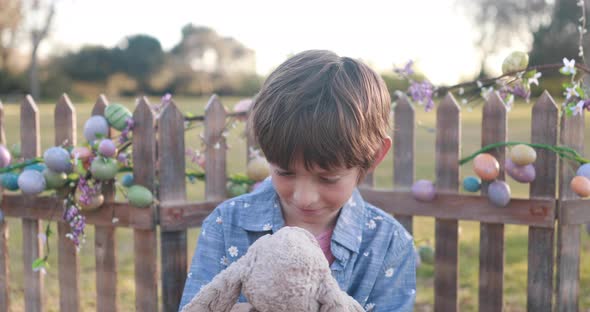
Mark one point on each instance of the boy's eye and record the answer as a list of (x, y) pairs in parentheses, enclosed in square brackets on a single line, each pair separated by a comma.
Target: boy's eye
[(283, 173), (329, 180)]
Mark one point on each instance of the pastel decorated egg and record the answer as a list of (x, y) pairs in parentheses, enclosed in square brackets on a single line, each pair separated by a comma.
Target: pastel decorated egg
[(57, 159), (515, 61), (36, 167), (522, 155), (91, 203), (584, 170), (423, 190), (81, 152), (471, 184), (257, 169), (581, 186), (426, 253), (5, 156), (139, 196), (236, 189), (96, 126), (10, 181), (522, 174), (127, 180), (54, 180), (107, 148), (104, 168), (499, 193), (486, 167), (117, 115), (31, 182), (15, 150)]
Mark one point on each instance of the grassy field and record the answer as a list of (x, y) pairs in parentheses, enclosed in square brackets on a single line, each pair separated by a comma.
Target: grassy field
[(516, 236)]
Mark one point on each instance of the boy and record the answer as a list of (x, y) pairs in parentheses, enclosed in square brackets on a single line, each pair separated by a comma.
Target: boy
[(322, 122)]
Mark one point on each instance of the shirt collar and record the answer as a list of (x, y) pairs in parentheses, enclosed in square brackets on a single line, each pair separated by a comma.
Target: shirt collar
[(261, 212)]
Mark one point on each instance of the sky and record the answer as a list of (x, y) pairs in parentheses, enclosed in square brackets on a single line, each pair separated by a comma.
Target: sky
[(436, 34)]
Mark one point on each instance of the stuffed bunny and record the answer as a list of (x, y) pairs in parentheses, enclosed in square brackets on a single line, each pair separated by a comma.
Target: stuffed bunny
[(286, 271)]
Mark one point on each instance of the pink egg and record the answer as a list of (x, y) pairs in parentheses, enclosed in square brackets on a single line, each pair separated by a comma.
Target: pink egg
[(83, 153), (581, 186), (423, 190), (107, 148), (5, 156), (486, 166), (522, 174)]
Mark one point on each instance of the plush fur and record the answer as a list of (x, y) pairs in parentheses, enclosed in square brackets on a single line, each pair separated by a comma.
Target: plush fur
[(283, 272)]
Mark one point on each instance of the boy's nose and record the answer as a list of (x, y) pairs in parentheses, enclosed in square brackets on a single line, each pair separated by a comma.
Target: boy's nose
[(305, 194)]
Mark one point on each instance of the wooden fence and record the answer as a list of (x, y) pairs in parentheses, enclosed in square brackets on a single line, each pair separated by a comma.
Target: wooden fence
[(158, 155)]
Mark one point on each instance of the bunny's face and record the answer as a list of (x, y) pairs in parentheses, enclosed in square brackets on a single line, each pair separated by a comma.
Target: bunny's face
[(286, 272)]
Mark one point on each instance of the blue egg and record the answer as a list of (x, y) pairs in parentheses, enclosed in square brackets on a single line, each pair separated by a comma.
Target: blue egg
[(584, 170), (499, 193), (471, 184), (127, 180), (37, 167), (10, 181)]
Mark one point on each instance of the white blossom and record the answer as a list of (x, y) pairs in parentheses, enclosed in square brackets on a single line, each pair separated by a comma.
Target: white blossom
[(233, 251)]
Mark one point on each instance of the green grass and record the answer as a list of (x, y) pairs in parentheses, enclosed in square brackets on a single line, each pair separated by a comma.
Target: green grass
[(516, 236)]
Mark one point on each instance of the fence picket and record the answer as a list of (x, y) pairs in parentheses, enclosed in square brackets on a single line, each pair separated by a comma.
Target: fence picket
[(172, 188), (146, 256), (4, 256), (32, 243), (568, 235), (491, 246), (68, 260), (105, 244), (448, 138), (404, 142), (545, 116), (215, 154)]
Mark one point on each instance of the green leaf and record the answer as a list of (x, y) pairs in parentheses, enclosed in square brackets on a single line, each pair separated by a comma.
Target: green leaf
[(73, 177), (566, 85), (39, 263), (530, 73)]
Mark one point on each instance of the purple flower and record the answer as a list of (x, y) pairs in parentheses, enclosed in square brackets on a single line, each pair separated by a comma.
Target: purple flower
[(422, 92), (521, 91), (407, 70)]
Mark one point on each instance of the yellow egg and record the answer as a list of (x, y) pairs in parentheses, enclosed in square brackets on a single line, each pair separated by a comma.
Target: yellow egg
[(581, 186), (486, 166), (258, 169), (95, 201), (522, 155)]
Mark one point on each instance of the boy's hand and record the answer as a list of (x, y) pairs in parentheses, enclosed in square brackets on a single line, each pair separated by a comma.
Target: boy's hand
[(242, 307)]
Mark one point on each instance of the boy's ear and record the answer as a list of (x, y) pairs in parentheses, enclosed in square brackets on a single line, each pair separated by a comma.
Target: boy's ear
[(381, 153)]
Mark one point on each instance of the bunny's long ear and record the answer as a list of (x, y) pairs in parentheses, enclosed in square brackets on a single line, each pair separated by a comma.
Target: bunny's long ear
[(221, 293), (333, 299)]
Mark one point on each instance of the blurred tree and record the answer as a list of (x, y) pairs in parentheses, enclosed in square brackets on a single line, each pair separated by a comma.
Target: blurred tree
[(139, 56), (90, 63), (503, 23), (10, 18), (560, 38), (40, 15)]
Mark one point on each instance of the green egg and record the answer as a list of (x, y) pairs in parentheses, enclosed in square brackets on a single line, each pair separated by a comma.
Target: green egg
[(117, 115), (139, 196)]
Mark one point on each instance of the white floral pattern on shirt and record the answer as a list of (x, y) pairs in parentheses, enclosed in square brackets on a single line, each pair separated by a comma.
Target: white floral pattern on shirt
[(233, 251), (371, 224)]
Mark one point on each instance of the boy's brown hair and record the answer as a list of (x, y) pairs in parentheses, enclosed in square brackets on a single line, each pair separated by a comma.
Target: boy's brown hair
[(333, 111)]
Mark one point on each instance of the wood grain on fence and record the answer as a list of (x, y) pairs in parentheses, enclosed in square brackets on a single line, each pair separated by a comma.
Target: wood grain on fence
[(404, 143), (32, 243), (68, 260), (105, 244), (448, 138), (216, 146), (172, 188), (568, 235), (491, 246), (4, 256), (545, 116), (146, 255)]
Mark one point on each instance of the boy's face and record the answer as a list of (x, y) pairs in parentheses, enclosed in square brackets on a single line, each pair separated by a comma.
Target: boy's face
[(312, 199)]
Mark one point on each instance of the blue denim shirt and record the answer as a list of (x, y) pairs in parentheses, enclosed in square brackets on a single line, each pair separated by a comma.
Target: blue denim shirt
[(375, 258)]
